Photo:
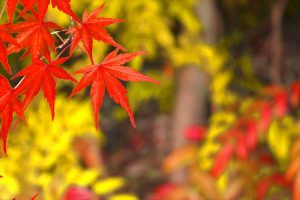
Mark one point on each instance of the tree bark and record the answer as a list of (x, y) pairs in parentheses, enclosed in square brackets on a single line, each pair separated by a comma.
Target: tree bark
[(277, 41), (191, 103), (190, 109), (209, 15)]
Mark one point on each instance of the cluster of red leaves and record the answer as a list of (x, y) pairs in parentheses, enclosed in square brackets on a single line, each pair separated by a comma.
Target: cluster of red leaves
[(33, 36), (241, 139), (265, 183)]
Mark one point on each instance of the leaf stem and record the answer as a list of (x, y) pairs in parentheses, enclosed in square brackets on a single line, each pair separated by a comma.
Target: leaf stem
[(19, 82), (62, 51), (59, 37), (63, 30), (63, 44)]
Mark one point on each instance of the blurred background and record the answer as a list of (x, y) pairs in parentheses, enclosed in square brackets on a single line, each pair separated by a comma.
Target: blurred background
[(222, 125)]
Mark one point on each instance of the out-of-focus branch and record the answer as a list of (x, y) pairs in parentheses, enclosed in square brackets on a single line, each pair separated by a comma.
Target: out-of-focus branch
[(209, 15), (276, 40), (191, 103), (190, 108)]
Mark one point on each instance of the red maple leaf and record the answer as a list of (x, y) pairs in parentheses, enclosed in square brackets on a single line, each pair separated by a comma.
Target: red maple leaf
[(93, 27), (106, 75), (35, 36), (41, 75), (11, 6), (63, 5), (9, 103), (5, 37)]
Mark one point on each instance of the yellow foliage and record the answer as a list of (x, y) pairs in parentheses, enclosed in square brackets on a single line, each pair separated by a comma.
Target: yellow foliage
[(280, 137), (42, 157), (123, 197), (150, 27), (223, 182), (108, 185), (219, 123)]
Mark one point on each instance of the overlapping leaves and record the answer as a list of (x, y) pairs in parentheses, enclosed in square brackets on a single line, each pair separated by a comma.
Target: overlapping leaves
[(92, 27), (33, 36), (9, 104)]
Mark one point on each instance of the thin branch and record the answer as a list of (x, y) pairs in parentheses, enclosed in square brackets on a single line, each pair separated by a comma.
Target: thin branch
[(63, 30), (20, 82), (63, 44), (62, 51), (60, 38)]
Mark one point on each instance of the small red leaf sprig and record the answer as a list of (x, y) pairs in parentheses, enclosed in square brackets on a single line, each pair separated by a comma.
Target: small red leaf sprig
[(33, 35), (242, 138)]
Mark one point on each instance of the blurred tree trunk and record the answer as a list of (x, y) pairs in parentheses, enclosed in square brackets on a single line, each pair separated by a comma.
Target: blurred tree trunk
[(191, 102), (277, 41), (210, 17)]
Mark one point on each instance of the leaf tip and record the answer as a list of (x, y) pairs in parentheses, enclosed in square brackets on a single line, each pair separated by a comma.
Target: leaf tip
[(132, 122)]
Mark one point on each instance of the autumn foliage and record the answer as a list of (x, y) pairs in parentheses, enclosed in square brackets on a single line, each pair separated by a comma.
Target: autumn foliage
[(245, 146), (33, 35), (241, 145)]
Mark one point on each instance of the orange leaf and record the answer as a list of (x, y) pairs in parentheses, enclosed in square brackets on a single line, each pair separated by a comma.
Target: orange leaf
[(296, 187), (179, 158)]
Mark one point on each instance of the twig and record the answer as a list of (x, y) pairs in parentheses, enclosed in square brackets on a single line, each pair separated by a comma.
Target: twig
[(20, 82), (60, 38), (62, 51)]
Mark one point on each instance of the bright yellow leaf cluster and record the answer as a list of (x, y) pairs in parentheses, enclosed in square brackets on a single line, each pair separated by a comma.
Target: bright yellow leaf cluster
[(41, 156)]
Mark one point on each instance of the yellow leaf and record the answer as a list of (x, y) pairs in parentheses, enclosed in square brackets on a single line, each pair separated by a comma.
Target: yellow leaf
[(108, 185), (123, 197), (87, 177), (279, 140)]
